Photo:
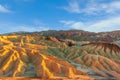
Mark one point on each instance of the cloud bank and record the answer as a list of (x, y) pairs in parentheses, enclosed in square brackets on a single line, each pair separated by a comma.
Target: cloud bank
[(4, 9), (12, 27), (93, 7), (102, 25)]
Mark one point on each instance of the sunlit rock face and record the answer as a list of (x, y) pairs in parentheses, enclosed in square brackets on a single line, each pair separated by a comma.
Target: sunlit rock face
[(23, 56)]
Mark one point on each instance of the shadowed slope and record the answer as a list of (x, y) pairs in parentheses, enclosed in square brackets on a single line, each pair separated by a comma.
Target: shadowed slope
[(99, 56)]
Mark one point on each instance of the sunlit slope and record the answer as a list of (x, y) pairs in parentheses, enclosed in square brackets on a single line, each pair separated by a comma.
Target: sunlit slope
[(103, 58), (21, 54)]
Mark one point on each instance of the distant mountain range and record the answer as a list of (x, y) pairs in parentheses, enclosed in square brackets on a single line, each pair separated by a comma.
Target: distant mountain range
[(79, 35)]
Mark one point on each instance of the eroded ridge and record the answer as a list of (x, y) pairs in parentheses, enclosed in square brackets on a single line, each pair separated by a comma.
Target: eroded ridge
[(17, 52)]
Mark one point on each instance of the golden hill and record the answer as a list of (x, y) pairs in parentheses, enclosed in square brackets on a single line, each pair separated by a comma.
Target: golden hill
[(23, 56), (49, 58)]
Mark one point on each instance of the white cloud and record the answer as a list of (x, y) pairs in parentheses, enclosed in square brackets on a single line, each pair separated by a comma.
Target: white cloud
[(73, 7), (30, 28), (78, 25), (4, 9), (67, 22), (73, 24), (11, 27), (103, 25), (112, 7), (93, 7)]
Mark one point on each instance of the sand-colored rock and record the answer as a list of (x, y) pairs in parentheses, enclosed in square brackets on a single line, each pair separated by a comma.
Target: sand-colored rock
[(18, 52)]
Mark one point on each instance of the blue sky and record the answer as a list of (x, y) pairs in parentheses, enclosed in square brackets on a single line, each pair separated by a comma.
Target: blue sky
[(38, 15)]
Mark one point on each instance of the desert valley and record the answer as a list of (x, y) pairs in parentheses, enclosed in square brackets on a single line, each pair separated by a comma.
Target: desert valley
[(60, 55)]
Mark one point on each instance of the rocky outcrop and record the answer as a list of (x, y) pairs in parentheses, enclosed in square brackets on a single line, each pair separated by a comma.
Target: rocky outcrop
[(52, 39)]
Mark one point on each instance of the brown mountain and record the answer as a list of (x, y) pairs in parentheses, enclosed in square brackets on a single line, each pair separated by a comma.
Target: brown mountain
[(81, 35)]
